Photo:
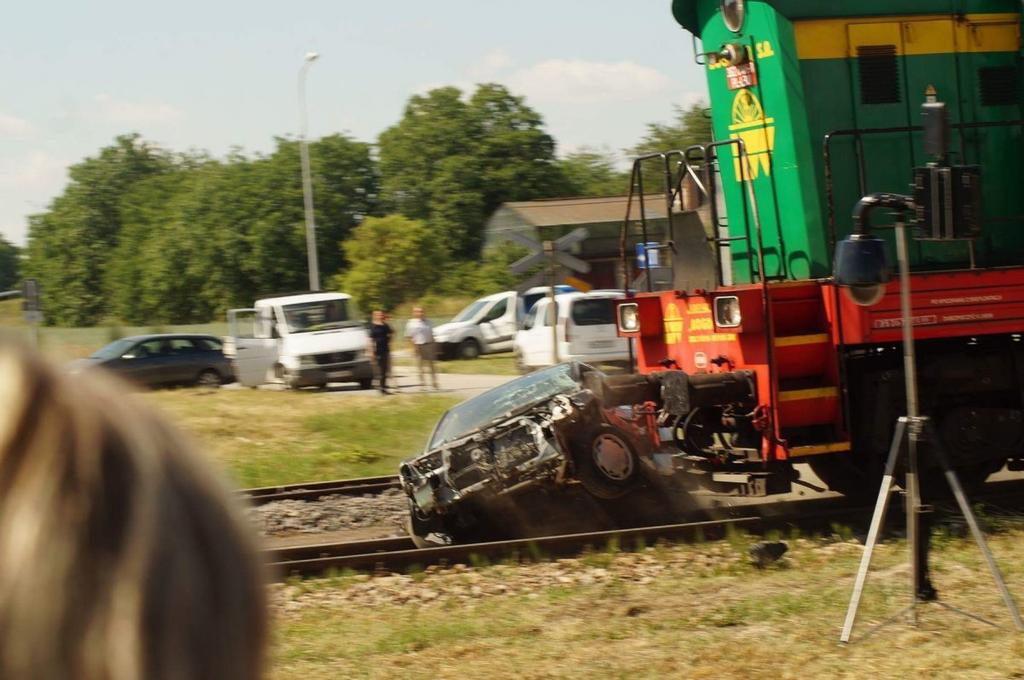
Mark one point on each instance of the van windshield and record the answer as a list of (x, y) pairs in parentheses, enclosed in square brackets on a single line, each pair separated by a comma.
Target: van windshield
[(306, 317), (470, 312)]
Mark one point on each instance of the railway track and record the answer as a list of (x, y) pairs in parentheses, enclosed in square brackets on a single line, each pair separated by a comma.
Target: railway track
[(399, 553), (312, 490)]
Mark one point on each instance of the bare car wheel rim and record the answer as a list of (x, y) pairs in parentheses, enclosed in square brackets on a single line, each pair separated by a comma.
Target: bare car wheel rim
[(612, 457), (209, 379)]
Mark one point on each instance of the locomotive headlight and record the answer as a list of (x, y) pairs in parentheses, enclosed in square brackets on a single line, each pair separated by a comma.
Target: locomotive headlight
[(733, 14), (629, 318), (727, 311)]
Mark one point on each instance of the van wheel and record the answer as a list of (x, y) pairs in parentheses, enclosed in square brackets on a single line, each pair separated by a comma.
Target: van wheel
[(521, 366), (468, 349)]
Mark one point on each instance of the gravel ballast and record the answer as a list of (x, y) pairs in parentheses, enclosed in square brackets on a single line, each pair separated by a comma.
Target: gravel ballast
[(331, 513)]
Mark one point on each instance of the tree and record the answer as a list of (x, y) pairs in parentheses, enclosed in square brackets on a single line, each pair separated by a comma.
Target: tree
[(392, 258), (691, 126), (202, 235), (592, 173), (451, 162), (9, 265), (70, 245)]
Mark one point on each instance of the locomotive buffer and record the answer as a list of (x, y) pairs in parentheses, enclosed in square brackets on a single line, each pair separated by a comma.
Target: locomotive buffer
[(860, 267)]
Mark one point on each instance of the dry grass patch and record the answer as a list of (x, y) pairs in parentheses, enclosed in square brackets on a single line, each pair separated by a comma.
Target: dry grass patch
[(707, 614)]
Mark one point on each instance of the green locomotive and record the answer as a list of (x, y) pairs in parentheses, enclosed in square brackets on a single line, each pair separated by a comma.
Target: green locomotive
[(814, 68)]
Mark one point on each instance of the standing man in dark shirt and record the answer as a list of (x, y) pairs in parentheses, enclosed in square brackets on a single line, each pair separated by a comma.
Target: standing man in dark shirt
[(380, 347)]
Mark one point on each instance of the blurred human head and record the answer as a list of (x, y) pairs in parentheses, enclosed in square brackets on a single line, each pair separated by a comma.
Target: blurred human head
[(378, 316), (417, 312), (121, 557)]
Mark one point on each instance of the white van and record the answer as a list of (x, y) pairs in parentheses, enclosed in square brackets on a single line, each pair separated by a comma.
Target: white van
[(301, 340), (586, 331), (486, 325)]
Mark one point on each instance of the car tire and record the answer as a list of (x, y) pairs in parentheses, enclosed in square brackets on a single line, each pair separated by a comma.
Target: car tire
[(208, 379), (521, 366), (468, 349), (606, 462), (365, 383), (419, 527)]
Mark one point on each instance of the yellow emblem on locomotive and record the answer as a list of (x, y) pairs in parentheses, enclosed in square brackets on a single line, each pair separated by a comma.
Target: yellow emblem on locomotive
[(756, 131), (673, 324)]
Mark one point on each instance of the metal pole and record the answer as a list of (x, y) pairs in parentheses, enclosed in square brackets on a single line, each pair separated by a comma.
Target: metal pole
[(549, 250), (307, 182), (877, 521), (913, 500)]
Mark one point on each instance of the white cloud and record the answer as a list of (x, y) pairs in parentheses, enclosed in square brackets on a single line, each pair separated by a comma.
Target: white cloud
[(27, 184), (688, 99), (12, 126), (128, 112), (33, 169), (580, 81), (491, 65)]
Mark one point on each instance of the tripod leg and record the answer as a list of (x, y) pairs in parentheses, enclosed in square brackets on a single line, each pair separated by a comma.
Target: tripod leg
[(877, 520), (972, 522)]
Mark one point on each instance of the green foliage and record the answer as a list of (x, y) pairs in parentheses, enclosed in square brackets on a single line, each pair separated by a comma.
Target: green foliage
[(70, 245), (178, 239), (588, 172), (690, 126), (144, 236), (485, 275), (391, 258), (452, 162), (9, 265)]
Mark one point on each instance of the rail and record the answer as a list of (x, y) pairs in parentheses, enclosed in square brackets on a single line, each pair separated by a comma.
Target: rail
[(397, 553), (313, 490)]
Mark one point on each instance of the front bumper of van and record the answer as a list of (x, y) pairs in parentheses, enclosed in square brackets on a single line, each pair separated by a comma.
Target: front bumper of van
[(310, 376)]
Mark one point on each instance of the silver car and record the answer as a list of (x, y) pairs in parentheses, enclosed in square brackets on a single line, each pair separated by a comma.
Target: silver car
[(565, 426)]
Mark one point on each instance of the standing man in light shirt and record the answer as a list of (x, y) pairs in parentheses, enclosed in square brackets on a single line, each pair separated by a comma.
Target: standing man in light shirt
[(421, 334)]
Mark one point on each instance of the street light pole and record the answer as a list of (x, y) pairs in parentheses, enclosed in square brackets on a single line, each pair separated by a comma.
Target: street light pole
[(307, 182)]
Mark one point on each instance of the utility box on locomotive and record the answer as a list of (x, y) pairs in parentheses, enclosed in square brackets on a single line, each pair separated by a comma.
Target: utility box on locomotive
[(813, 106)]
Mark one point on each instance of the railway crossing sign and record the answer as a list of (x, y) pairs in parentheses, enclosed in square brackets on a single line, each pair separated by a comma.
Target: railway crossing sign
[(553, 253), (550, 251)]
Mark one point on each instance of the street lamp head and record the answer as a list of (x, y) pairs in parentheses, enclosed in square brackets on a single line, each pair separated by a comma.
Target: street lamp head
[(860, 267), (312, 56)]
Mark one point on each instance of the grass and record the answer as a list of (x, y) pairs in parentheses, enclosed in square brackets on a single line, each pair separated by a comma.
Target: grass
[(738, 622), (71, 343), (266, 437)]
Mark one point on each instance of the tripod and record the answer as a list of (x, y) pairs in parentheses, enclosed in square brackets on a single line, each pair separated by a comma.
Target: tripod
[(913, 429)]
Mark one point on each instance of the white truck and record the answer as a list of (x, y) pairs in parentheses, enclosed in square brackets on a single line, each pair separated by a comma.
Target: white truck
[(488, 324), (303, 340)]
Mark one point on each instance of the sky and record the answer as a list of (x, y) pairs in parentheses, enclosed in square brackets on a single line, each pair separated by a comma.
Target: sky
[(222, 74)]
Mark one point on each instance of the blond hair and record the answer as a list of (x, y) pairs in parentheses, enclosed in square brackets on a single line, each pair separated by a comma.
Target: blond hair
[(121, 557)]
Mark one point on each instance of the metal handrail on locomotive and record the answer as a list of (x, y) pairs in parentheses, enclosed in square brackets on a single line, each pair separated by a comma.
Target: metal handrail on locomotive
[(760, 359)]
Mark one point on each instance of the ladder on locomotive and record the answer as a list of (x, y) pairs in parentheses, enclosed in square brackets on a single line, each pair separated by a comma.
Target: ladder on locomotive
[(802, 364)]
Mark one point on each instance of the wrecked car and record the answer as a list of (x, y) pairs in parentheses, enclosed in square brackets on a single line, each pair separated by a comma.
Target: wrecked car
[(567, 425)]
